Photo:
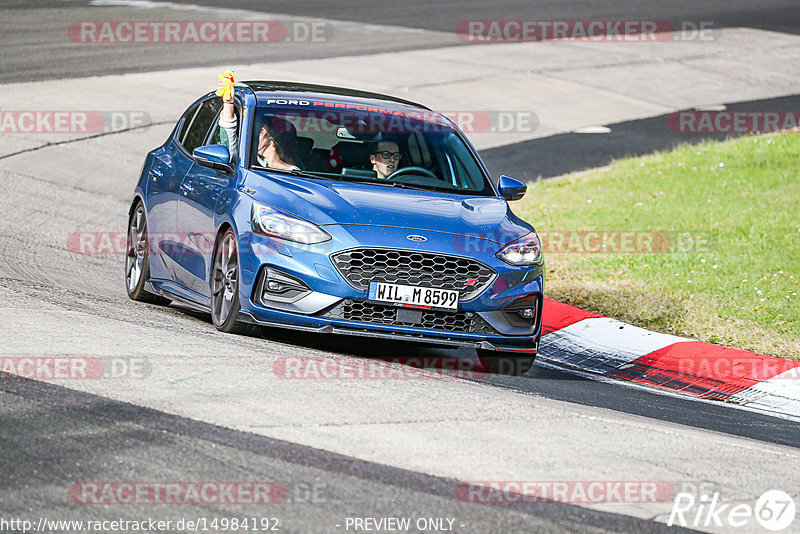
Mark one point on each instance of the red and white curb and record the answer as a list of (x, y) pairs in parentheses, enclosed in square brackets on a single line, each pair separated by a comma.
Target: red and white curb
[(599, 346)]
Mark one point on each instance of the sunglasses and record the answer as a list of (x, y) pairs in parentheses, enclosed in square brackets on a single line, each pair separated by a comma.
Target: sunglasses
[(385, 154)]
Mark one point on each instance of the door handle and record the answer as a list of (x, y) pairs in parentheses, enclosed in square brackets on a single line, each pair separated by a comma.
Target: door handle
[(187, 186), (156, 173)]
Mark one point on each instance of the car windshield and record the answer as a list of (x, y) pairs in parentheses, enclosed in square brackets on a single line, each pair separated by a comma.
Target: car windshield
[(415, 150)]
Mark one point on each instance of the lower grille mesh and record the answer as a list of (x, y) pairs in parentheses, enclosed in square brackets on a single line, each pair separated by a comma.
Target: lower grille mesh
[(368, 312)]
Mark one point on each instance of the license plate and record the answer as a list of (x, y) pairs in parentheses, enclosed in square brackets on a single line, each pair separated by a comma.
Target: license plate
[(413, 296)]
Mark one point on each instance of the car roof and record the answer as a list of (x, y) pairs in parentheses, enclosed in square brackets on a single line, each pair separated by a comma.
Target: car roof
[(293, 90)]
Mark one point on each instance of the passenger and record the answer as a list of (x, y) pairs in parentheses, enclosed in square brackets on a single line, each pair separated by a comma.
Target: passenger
[(385, 158), (276, 140)]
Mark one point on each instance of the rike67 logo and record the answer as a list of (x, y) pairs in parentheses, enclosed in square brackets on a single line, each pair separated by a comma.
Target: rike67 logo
[(774, 510)]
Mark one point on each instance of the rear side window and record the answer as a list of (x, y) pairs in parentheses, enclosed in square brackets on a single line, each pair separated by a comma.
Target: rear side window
[(201, 124), (186, 122)]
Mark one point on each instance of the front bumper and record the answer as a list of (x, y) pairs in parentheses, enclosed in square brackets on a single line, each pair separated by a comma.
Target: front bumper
[(527, 345), (327, 307)]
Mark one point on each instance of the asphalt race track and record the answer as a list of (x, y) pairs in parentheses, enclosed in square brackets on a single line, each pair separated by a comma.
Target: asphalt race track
[(38, 51), (192, 405)]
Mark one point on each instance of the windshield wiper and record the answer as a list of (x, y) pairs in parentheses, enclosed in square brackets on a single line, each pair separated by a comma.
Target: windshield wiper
[(402, 185), (293, 172), (420, 187)]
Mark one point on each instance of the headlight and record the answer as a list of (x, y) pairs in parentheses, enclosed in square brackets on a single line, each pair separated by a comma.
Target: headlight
[(526, 250), (269, 221)]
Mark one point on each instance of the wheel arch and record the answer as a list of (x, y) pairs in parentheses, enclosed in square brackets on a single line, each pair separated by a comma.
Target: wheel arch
[(137, 197)]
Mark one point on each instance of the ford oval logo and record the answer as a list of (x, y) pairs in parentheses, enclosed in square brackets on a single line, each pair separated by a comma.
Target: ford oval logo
[(417, 238)]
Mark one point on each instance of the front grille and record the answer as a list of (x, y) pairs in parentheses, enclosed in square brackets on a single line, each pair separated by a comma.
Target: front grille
[(362, 265), (369, 312)]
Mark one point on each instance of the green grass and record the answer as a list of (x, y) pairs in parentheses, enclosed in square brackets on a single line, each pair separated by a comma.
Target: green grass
[(732, 213)]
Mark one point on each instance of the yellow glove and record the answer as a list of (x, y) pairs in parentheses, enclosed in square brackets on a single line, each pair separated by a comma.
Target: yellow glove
[(227, 81)]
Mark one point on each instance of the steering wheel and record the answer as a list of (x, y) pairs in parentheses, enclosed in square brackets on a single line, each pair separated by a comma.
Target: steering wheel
[(408, 170)]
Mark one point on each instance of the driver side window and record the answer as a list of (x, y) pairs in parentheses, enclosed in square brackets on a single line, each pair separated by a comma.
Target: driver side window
[(203, 119), (218, 134)]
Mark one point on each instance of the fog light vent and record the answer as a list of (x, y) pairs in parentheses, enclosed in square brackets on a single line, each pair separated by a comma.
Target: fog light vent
[(277, 286)]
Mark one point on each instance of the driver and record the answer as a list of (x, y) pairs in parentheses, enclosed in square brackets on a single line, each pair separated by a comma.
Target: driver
[(385, 158), (276, 140)]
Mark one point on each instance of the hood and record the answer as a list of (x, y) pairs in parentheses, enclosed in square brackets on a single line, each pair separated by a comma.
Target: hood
[(326, 202)]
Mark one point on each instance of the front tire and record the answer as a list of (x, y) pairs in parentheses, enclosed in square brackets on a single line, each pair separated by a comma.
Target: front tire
[(225, 287), (137, 259)]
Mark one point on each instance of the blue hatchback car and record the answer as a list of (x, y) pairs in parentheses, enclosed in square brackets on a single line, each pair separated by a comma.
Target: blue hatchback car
[(384, 223)]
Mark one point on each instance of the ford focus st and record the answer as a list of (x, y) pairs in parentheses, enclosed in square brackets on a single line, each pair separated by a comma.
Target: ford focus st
[(330, 210)]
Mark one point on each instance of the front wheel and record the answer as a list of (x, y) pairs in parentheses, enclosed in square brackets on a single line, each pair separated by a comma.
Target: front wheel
[(137, 260), (225, 287), (506, 363)]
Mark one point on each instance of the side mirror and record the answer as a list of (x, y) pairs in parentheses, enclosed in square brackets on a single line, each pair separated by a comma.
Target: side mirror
[(511, 188), (214, 156)]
